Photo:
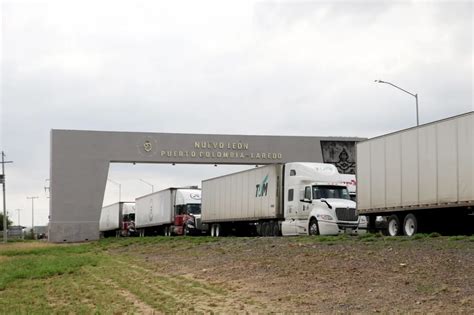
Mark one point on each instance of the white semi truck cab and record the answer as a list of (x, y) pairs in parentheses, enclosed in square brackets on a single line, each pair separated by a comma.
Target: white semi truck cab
[(316, 201)]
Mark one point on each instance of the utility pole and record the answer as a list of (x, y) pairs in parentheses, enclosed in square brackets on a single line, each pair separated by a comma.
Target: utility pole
[(32, 214), (2, 181)]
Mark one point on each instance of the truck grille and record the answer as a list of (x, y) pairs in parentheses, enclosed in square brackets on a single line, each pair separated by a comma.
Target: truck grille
[(346, 214), (198, 224)]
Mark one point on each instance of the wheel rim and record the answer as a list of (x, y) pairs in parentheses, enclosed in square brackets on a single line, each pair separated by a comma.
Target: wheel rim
[(217, 231), (212, 231), (393, 228), (313, 228), (409, 226)]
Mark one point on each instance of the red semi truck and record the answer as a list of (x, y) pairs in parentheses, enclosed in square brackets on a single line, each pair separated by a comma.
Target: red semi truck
[(173, 211)]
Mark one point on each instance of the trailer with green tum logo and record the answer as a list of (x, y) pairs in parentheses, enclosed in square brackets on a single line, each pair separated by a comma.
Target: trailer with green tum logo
[(279, 199)]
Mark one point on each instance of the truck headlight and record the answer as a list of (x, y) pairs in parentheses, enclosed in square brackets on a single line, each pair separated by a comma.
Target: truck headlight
[(326, 217)]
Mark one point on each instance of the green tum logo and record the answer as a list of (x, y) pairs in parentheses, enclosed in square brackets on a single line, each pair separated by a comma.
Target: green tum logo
[(262, 188)]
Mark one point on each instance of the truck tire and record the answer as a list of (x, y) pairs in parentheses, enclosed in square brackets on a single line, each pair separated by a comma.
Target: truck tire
[(275, 229), (263, 229), (266, 229), (217, 230), (213, 230), (410, 225), (393, 225), (313, 228)]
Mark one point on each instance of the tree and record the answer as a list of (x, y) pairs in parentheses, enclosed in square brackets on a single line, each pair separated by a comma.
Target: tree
[(9, 222)]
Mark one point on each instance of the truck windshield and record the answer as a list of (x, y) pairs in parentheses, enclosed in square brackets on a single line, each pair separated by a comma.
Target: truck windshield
[(194, 208), (129, 217), (330, 192)]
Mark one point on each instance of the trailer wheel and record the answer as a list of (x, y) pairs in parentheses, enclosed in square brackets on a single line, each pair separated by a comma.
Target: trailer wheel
[(393, 225), (213, 230), (313, 228), (275, 229), (410, 225), (217, 230), (266, 229)]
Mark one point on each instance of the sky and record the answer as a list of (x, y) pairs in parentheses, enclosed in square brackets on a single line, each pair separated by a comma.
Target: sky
[(234, 67)]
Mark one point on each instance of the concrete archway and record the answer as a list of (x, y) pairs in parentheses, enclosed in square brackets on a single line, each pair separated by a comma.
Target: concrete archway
[(80, 163)]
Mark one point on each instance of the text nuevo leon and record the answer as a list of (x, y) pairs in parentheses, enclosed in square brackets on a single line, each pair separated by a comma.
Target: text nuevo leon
[(221, 145)]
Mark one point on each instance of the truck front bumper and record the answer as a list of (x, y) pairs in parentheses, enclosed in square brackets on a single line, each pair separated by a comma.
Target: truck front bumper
[(336, 228)]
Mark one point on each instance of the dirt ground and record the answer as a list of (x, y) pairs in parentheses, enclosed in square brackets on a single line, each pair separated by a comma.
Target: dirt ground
[(333, 275)]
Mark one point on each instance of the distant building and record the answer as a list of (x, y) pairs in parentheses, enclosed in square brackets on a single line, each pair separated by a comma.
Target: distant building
[(16, 232)]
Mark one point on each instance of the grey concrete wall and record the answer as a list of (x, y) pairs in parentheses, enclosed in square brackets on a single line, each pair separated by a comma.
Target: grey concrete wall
[(80, 163)]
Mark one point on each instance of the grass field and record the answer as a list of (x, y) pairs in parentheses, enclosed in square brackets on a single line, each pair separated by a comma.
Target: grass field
[(202, 274)]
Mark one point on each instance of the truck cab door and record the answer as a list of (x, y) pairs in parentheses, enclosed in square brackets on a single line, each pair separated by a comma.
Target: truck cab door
[(306, 203), (305, 206), (288, 227)]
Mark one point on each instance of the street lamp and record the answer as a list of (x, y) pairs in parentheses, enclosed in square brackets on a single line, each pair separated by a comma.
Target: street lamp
[(119, 186), (32, 214), (152, 187), (414, 95), (47, 188)]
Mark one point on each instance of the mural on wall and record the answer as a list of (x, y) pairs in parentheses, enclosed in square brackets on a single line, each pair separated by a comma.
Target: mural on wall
[(341, 154)]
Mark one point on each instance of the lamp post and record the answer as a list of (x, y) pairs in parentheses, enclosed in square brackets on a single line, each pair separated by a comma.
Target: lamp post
[(47, 188), (119, 186), (414, 95), (152, 187), (32, 214)]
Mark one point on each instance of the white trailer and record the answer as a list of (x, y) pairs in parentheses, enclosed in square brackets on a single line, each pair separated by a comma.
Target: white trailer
[(420, 179), (280, 199), (117, 219), (173, 211)]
